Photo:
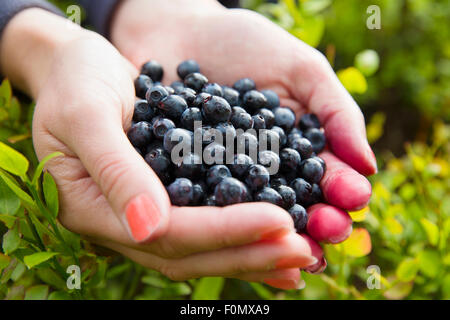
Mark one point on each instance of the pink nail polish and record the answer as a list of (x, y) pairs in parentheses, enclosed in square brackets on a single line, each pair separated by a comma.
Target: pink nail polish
[(297, 262), (142, 217), (285, 284), (274, 234)]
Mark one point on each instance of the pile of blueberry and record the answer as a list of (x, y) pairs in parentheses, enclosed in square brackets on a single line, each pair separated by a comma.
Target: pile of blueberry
[(167, 116)]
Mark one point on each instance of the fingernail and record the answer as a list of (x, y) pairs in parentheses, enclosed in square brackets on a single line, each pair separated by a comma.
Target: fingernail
[(273, 234), (285, 284), (301, 285), (142, 217), (297, 262), (319, 268), (373, 159)]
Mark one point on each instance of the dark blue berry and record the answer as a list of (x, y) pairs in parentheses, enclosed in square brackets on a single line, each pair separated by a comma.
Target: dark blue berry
[(322, 162), (303, 147), (156, 94), (178, 86), (231, 95), (269, 140), (241, 120), (158, 160), (230, 191), (269, 195), (290, 160), (173, 106), (181, 192), (214, 153), (241, 164), (254, 100), (176, 136), (142, 84), (257, 177), (210, 201), (161, 126), (284, 118), (288, 195), (201, 99), (190, 166), (153, 69), (270, 160), (213, 89), (187, 67), (302, 190), (311, 170), (170, 90), (281, 134), (216, 174), (140, 134), (300, 217), (277, 180), (195, 81), (317, 138), (217, 110), (142, 111), (309, 121), (187, 94), (228, 132), (189, 116), (244, 85), (316, 195), (273, 101), (269, 117), (199, 193), (246, 143), (258, 122)]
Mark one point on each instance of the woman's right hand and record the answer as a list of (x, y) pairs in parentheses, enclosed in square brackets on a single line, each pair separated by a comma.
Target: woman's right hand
[(85, 98)]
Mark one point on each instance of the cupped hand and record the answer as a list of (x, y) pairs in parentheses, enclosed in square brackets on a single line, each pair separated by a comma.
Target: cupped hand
[(110, 195), (233, 44)]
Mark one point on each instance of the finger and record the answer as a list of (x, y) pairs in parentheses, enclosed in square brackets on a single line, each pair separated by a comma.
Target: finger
[(285, 279), (342, 119), (342, 186), (328, 224), (316, 251)]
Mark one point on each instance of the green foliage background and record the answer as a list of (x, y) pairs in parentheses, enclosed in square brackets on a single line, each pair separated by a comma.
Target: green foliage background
[(400, 76)]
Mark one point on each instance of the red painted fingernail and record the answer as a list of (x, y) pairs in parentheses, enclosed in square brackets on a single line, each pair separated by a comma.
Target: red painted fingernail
[(142, 217), (297, 262), (285, 284), (373, 159), (273, 234)]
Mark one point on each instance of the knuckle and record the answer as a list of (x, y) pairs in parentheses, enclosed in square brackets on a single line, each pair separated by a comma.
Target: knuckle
[(172, 272), (109, 169)]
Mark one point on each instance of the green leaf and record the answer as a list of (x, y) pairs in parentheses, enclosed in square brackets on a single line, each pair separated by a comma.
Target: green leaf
[(446, 287), (353, 80), (262, 291), (5, 93), (8, 220), (19, 270), (4, 261), (407, 269), (13, 161), (59, 295), (49, 276), (50, 194), (429, 263), (208, 288), (6, 274), (41, 165), (38, 258), (12, 184), (9, 202), (154, 281), (39, 292), (367, 62), (11, 240), (432, 231)]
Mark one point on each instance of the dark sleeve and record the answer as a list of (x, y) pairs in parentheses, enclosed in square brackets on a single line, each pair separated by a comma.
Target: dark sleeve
[(9, 8), (99, 14)]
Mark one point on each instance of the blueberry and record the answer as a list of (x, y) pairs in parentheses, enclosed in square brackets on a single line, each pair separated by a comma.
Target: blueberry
[(204, 134), (290, 160), (213, 89), (269, 117), (241, 120), (190, 167), (317, 138), (170, 90), (244, 85), (142, 111), (303, 147), (300, 217), (175, 136), (181, 192), (269, 195), (178, 86), (270, 160), (231, 95), (139, 151), (187, 94), (238, 109), (309, 121), (241, 164), (217, 110), (156, 94), (161, 126), (214, 153), (216, 174), (173, 106), (302, 190), (257, 177), (281, 134), (288, 195), (187, 67), (284, 118), (199, 193), (189, 116), (140, 134), (294, 135), (201, 99), (246, 143), (210, 201), (230, 191), (269, 140), (153, 69), (277, 180), (142, 84), (316, 195), (195, 81), (322, 162), (311, 170), (228, 132), (165, 177), (153, 145), (254, 100), (158, 160), (273, 101), (258, 122)]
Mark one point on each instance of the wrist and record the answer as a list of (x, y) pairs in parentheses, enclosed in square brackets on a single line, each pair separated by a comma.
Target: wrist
[(29, 44)]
